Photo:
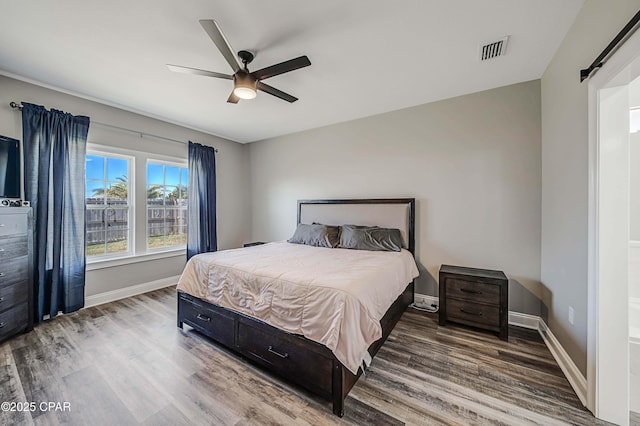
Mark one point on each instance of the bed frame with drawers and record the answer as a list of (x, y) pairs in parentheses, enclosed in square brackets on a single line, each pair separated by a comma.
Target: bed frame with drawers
[(293, 357)]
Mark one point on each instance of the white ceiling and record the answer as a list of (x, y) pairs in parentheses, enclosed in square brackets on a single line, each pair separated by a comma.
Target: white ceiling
[(368, 56)]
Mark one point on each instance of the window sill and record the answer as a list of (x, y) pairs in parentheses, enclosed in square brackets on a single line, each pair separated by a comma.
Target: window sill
[(119, 261)]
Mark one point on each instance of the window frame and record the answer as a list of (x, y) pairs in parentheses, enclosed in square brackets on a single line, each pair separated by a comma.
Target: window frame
[(159, 160), (138, 252), (633, 113), (108, 152)]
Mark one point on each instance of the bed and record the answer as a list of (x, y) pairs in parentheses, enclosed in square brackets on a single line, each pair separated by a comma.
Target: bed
[(312, 315)]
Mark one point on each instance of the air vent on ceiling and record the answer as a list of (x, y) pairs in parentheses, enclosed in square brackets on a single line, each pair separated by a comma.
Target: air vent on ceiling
[(494, 49)]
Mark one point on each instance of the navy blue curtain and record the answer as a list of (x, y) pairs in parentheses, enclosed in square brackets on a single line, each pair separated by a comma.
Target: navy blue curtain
[(55, 145), (202, 235)]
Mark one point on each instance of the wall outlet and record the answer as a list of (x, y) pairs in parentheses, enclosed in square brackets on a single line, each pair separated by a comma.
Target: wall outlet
[(571, 315)]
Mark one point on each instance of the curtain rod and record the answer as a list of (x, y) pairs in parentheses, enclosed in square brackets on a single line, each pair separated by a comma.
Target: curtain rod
[(18, 106), (626, 32)]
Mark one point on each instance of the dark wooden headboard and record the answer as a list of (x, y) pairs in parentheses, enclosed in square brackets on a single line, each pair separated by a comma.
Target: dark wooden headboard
[(385, 212)]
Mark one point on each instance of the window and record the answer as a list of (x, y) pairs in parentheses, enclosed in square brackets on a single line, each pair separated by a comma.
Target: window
[(118, 180), (166, 204), (108, 198), (634, 120)]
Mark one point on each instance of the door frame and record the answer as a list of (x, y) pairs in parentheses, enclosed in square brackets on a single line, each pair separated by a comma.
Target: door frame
[(620, 69)]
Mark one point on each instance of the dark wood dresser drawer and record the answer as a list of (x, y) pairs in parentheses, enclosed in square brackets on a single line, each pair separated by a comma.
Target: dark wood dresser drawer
[(12, 295), (11, 224), (208, 321), (473, 291), (11, 247), (474, 314), (13, 270), (474, 297), (14, 320), (287, 358)]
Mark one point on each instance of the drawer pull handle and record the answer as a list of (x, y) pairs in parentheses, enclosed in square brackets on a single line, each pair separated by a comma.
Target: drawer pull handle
[(1, 299), (478, 314), (203, 317), (285, 355), (2, 274), (466, 290)]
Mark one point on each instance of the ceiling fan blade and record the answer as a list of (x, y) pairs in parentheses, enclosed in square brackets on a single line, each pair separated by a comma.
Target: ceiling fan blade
[(215, 33), (275, 92), (196, 71), (281, 68), (233, 99)]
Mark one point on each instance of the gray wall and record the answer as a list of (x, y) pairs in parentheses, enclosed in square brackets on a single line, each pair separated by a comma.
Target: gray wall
[(232, 177), (472, 163), (565, 169)]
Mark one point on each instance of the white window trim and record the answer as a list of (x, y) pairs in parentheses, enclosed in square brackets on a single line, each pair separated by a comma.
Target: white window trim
[(103, 263)]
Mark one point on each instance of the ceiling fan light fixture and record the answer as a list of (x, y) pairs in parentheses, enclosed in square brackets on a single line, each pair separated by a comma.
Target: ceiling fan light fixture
[(244, 86), (245, 92)]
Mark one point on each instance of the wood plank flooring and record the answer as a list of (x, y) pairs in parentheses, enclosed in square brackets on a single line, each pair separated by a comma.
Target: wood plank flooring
[(127, 363)]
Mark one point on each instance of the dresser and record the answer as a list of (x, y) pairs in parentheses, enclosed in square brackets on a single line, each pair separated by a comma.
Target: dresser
[(474, 297), (16, 286)]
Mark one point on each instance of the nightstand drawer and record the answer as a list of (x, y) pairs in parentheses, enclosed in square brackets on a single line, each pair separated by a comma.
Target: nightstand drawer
[(13, 271), (473, 291), (11, 247), (474, 314), (13, 295), (11, 224)]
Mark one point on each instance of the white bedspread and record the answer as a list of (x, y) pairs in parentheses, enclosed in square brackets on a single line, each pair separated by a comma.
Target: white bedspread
[(335, 297)]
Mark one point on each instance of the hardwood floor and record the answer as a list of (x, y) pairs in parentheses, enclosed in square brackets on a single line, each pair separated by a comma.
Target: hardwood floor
[(126, 363)]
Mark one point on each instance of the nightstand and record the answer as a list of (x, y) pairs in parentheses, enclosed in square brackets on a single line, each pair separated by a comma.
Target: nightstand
[(474, 297), (255, 243)]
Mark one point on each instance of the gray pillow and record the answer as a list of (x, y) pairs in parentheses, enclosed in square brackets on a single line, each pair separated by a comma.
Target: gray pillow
[(333, 233), (315, 235), (370, 238)]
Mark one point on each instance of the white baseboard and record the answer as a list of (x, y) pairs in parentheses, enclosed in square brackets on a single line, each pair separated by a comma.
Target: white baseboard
[(121, 293), (524, 320), (425, 300), (572, 373), (577, 381)]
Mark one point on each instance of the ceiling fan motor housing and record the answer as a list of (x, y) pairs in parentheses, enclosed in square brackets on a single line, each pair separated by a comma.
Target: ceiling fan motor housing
[(244, 85)]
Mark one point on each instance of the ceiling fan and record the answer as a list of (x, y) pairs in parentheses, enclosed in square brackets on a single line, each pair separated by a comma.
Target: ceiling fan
[(245, 83)]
